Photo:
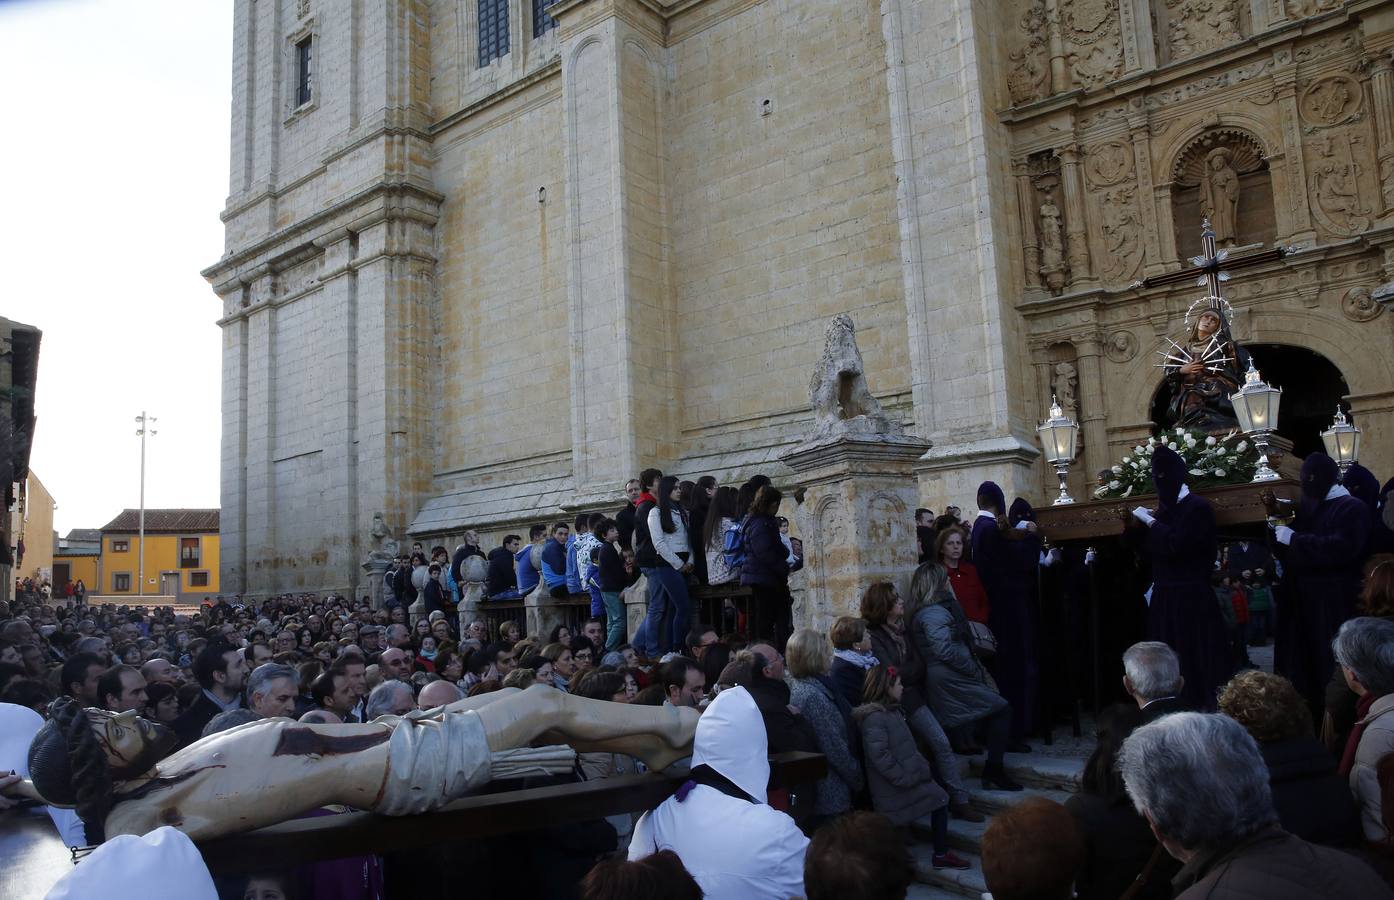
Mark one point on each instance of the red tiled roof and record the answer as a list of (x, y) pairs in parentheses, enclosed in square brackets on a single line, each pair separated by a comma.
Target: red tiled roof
[(166, 521)]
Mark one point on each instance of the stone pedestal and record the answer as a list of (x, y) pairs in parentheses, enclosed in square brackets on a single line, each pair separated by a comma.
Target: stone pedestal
[(636, 605), (543, 612), (468, 610), (857, 519), (377, 570)]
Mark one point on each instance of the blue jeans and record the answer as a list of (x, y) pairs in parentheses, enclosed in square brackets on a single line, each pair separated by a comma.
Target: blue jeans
[(674, 586), (650, 634), (597, 601), (614, 620)]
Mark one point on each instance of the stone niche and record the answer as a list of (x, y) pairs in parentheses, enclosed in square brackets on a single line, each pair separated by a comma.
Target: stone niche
[(1222, 175)]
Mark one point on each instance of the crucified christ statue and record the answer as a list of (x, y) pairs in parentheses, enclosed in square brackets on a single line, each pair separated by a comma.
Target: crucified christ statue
[(112, 766)]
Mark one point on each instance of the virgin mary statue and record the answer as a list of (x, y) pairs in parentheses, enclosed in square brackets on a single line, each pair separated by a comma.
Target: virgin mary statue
[(1202, 372)]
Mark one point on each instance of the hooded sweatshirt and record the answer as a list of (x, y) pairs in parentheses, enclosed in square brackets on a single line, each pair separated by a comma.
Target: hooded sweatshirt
[(736, 848)]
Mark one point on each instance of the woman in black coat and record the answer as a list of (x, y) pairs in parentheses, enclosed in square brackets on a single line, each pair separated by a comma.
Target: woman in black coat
[(883, 610), (1312, 800), (766, 568)]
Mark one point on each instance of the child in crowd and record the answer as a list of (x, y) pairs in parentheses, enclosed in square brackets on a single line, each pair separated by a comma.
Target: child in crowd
[(1260, 607), (900, 779)]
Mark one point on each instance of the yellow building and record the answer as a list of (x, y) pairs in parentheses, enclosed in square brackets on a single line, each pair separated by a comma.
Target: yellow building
[(181, 554), (32, 524)]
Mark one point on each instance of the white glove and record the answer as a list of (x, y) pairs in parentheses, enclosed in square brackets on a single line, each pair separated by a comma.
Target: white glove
[(1283, 534), (1089, 557), (1143, 515)]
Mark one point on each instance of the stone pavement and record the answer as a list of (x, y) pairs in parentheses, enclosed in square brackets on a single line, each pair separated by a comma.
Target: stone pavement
[(1051, 772)]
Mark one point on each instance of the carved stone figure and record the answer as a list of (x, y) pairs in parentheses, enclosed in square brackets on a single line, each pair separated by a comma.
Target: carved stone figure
[(842, 402), (1121, 346), (113, 767), (1064, 385), (1052, 246), (1195, 26), (1029, 76), (384, 546), (1300, 9), (1096, 47), (1219, 195), (1335, 194), (1359, 306), (1122, 235)]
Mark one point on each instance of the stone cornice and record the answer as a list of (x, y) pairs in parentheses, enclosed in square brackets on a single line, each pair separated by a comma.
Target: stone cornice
[(229, 271), (548, 70)]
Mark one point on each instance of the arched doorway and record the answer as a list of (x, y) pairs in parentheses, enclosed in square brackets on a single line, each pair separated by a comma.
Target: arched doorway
[(1312, 387)]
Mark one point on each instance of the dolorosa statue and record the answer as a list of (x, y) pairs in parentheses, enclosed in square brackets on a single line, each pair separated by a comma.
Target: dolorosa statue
[(1203, 371), (112, 767)]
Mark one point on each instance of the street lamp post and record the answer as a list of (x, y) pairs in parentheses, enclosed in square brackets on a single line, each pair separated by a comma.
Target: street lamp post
[(145, 422)]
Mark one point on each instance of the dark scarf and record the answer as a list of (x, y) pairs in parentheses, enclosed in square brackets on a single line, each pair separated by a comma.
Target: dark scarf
[(1169, 475), (1362, 709), (1319, 475)]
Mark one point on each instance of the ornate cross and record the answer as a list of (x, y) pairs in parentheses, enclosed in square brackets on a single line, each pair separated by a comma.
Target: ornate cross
[(1206, 268)]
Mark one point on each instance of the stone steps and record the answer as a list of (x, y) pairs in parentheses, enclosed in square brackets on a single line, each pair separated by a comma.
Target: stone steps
[(1054, 777)]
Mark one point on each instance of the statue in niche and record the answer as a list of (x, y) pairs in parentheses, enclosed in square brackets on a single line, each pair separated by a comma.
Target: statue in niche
[(1063, 385), (842, 402), (1203, 371), (116, 769), (1052, 246), (1219, 195)]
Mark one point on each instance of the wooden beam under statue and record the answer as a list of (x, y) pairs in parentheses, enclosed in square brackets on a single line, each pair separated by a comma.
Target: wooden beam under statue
[(473, 818)]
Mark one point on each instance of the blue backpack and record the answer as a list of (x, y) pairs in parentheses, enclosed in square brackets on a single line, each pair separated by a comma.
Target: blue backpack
[(733, 545)]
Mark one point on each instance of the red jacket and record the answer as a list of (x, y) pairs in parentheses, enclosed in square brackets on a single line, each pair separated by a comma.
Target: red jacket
[(969, 590)]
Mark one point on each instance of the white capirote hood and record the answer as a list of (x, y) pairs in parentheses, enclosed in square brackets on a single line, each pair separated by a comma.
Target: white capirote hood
[(161, 865), (731, 739)]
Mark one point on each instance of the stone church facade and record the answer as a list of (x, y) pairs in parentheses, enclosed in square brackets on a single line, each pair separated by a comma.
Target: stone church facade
[(486, 259)]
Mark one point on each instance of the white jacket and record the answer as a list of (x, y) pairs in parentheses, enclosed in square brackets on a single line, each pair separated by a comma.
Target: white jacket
[(736, 849), (668, 545), (1375, 742)]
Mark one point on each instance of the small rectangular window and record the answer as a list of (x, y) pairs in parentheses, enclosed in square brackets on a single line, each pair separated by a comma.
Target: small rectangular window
[(188, 553), (303, 59), (541, 22), (493, 30), (198, 579), (120, 546), (121, 582)]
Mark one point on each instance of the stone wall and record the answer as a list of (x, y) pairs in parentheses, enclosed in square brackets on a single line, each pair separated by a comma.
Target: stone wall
[(483, 296)]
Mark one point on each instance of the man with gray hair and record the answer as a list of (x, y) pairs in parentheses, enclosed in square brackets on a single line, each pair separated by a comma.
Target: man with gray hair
[(1152, 677), (1364, 649), (1201, 784), (391, 698), (271, 690)]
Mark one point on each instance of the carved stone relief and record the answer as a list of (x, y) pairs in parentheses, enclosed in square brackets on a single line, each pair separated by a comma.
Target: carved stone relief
[(1112, 189), (1121, 346), (1029, 76), (1048, 206), (1331, 101), (1335, 191), (1195, 26), (1359, 306), (1300, 9), (1096, 48)]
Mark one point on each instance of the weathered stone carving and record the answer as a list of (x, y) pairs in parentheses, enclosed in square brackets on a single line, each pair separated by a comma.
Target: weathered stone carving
[(842, 402), (1096, 48), (1335, 195), (1121, 229), (1300, 9), (1219, 195), (302, 8), (1121, 346), (1331, 101), (1064, 384), (1195, 26), (1052, 247), (384, 546), (1358, 306), (1029, 76), (1108, 163)]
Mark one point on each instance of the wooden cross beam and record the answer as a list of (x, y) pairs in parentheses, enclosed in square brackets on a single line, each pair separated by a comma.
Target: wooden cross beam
[(1209, 269)]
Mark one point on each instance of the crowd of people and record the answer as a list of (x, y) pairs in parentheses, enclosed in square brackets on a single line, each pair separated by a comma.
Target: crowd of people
[(1215, 779)]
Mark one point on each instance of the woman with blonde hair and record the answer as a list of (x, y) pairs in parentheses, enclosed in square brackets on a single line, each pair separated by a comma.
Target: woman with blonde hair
[(959, 689), (807, 658)]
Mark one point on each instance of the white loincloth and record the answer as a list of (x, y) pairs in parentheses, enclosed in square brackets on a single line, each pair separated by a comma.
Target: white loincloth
[(432, 761)]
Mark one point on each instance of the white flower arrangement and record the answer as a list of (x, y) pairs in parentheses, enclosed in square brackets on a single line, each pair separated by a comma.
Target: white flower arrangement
[(1210, 460)]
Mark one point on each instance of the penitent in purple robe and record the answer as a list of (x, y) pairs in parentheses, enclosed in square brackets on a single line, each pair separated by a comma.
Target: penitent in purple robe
[(1184, 614), (1007, 568)]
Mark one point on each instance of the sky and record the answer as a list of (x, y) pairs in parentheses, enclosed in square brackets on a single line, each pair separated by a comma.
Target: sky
[(112, 175)]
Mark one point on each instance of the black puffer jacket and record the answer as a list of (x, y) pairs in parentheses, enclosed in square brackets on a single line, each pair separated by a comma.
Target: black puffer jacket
[(901, 781), (1313, 802), (766, 557)]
